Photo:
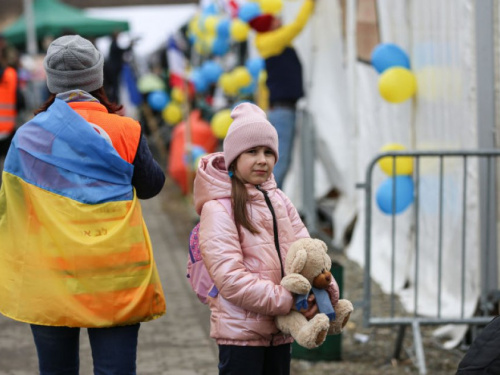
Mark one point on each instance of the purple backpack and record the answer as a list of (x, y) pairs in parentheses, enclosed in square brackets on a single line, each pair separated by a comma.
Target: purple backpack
[(197, 273)]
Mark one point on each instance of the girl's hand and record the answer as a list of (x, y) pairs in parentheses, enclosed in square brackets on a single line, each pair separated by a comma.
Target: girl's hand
[(312, 308)]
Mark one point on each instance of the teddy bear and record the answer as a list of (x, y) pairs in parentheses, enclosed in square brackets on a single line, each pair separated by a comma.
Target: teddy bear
[(307, 267)]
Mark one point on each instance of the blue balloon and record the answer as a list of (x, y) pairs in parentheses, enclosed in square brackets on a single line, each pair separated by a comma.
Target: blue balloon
[(224, 28), (196, 152), (404, 194), (249, 11), (211, 70), (200, 83), (158, 100), (255, 65), (248, 90), (220, 46), (210, 10), (389, 55)]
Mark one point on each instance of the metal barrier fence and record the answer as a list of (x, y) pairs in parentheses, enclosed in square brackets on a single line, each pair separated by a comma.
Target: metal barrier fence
[(462, 162)]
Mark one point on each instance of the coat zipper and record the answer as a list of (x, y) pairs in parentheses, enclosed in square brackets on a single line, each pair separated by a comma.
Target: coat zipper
[(276, 238), (275, 226)]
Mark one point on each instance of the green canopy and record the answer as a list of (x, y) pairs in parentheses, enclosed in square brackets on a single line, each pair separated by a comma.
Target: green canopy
[(54, 18)]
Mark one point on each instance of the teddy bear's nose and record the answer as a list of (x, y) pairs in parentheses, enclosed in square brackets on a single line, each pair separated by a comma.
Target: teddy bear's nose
[(328, 277)]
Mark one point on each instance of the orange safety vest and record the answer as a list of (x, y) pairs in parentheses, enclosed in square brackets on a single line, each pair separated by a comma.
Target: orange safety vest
[(8, 87), (74, 248)]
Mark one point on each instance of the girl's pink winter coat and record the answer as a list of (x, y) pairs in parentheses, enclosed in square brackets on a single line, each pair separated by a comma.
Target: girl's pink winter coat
[(245, 268)]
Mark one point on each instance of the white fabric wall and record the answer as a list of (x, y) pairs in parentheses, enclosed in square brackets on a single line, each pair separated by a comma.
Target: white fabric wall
[(354, 123)]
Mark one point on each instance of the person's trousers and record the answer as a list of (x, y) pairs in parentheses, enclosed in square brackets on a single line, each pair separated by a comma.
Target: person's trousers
[(114, 349), (254, 360), (283, 119)]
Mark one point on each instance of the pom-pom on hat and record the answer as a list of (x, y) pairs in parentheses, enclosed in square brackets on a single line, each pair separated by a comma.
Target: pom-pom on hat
[(73, 62), (262, 23), (250, 128)]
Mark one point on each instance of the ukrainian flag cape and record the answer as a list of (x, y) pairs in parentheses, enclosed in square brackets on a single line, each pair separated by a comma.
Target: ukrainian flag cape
[(74, 249)]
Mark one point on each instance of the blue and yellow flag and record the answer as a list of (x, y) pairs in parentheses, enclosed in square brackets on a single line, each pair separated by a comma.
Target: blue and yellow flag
[(74, 248)]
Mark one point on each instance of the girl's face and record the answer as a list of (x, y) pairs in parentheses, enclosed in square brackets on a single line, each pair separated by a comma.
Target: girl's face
[(255, 165)]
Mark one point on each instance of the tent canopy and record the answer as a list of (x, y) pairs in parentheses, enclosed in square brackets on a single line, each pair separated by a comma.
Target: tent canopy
[(54, 18)]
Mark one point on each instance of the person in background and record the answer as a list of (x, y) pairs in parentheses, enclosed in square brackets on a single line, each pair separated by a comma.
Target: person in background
[(244, 251), (114, 66), (8, 101), (75, 252), (284, 77)]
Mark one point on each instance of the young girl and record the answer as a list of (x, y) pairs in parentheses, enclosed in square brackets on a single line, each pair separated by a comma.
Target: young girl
[(244, 251)]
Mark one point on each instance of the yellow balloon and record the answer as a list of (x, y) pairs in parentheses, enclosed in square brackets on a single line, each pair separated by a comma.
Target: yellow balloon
[(177, 95), (397, 84), (228, 84), (220, 123), (271, 6), (242, 76), (404, 164), (211, 24), (203, 46), (196, 162), (172, 113), (239, 30)]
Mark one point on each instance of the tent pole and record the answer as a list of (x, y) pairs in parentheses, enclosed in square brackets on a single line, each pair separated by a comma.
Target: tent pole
[(31, 44)]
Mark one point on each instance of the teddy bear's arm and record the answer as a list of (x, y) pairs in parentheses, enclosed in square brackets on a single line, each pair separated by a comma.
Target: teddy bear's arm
[(296, 283)]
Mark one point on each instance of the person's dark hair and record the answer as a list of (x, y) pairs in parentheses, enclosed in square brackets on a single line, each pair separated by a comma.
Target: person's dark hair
[(239, 197), (99, 94)]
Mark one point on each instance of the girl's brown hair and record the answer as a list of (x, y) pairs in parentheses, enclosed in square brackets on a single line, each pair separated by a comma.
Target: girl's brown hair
[(239, 197), (99, 94)]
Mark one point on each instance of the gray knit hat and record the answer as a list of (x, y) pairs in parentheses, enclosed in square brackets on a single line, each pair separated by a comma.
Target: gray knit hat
[(71, 63), (250, 128)]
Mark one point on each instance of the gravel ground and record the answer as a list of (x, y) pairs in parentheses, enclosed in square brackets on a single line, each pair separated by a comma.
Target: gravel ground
[(366, 351)]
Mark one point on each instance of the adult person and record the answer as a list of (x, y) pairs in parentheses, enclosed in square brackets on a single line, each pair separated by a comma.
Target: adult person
[(8, 100), (284, 77), (75, 251), (114, 66)]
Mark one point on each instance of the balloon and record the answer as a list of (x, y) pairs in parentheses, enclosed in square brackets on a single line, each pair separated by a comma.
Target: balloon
[(220, 123), (249, 11), (242, 76), (220, 46), (255, 65), (211, 71), (150, 82), (211, 24), (200, 83), (223, 28), (271, 6), (196, 162), (397, 84), (239, 30), (178, 95), (404, 164), (228, 84), (196, 153), (210, 9), (157, 100), (404, 194), (388, 55), (248, 90), (172, 114)]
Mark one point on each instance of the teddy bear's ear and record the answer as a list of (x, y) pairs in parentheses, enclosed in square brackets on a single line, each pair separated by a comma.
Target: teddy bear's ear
[(298, 262)]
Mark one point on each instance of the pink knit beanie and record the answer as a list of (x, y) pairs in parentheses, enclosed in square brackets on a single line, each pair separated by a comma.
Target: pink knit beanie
[(249, 128)]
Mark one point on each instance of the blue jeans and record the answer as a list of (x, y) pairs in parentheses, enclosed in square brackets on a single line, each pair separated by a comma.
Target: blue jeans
[(283, 119), (114, 350), (254, 360)]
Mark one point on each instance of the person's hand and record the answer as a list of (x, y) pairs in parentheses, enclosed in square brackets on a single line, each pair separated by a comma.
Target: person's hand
[(312, 308)]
